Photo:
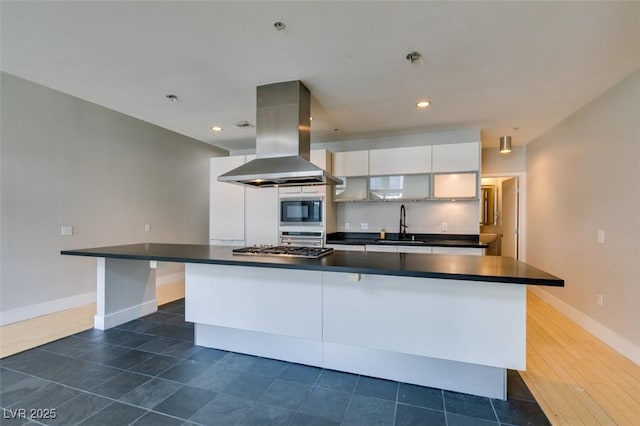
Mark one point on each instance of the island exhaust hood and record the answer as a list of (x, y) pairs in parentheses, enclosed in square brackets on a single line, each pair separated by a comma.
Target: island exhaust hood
[(282, 141)]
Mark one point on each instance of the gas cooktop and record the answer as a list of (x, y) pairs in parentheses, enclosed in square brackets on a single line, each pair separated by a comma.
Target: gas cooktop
[(290, 251)]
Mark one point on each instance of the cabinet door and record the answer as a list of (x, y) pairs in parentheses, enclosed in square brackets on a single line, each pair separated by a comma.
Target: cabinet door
[(351, 163), (414, 249), (382, 249), (455, 185), (399, 161), (262, 216), (458, 250), (458, 157), (226, 202)]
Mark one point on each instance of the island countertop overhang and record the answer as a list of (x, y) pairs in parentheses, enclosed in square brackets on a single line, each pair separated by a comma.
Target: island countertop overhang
[(447, 266)]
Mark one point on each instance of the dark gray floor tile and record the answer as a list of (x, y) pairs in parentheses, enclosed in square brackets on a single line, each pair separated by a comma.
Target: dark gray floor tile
[(155, 365), (222, 410), (260, 415), (151, 393), (368, 411), (516, 387), (517, 412), (125, 338), (301, 373), (181, 350), (158, 344), (9, 378), (185, 402), (301, 419), (326, 403), (104, 353), (88, 375), (215, 378), (162, 316), (469, 405), (337, 380), (176, 309), (72, 346), (267, 367), (128, 359), (12, 394), (40, 363), (120, 385), (208, 355), (184, 371), (78, 409), (377, 388), (155, 419), (115, 414), (138, 326), (248, 386), (92, 334), (172, 332), (9, 417), (460, 420), (238, 362), (285, 394), (49, 396), (421, 396), (409, 415)]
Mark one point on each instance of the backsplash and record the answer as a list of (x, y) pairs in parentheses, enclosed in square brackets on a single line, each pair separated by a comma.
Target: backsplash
[(461, 217)]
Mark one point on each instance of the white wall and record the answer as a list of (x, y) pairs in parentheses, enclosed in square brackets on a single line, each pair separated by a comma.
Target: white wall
[(65, 161), (582, 176)]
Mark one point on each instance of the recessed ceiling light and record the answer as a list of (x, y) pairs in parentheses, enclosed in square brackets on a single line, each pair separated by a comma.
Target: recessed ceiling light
[(216, 129), (423, 104), (172, 98)]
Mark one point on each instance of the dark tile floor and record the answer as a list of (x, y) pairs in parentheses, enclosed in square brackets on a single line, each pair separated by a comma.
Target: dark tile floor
[(149, 372)]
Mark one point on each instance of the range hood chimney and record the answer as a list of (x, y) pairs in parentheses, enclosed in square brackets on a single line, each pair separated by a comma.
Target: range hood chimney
[(282, 141)]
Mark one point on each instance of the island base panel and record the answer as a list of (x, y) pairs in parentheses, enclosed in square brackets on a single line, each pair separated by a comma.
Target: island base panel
[(126, 291), (285, 348)]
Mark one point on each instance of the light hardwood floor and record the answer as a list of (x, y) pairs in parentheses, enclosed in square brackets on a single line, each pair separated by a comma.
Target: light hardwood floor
[(577, 379)]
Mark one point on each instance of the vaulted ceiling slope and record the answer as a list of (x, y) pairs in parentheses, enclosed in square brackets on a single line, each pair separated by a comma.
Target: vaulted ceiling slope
[(492, 66)]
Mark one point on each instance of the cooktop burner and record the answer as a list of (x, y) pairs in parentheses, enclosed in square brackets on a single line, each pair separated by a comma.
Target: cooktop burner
[(291, 251)]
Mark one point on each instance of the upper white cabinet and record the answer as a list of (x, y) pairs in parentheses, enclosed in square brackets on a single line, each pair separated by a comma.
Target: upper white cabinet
[(400, 161), (458, 157), (239, 215), (226, 203), (351, 163), (455, 185)]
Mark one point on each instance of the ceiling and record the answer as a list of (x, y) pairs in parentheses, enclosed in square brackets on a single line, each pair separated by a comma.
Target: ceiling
[(494, 66)]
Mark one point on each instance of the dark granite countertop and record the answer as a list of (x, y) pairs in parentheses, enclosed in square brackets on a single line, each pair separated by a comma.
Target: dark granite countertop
[(448, 266), (391, 238)]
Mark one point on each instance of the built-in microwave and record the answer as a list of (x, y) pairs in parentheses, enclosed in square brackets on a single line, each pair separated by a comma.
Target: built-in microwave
[(301, 211)]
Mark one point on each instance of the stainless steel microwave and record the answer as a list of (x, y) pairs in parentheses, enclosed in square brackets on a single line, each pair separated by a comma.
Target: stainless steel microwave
[(301, 211)]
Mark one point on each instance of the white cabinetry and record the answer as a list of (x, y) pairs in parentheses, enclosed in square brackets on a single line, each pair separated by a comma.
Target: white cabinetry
[(238, 215), (455, 185), (226, 204), (414, 249), (382, 248), (457, 157), (400, 161), (351, 163)]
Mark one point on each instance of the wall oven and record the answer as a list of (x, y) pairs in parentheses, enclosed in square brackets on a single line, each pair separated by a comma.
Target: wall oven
[(301, 212)]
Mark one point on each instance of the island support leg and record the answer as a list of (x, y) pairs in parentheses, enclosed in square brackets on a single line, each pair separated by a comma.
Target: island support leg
[(126, 291)]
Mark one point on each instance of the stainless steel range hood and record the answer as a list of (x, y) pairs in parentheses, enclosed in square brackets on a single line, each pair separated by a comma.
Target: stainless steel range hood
[(282, 141)]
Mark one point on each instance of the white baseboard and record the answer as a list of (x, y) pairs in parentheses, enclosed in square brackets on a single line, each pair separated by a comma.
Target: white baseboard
[(40, 309), (169, 278), (620, 344), (125, 315)]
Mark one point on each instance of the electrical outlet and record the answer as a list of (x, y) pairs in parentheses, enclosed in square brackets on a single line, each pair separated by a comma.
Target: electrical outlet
[(601, 236), (364, 226), (347, 226), (147, 227), (600, 300), (66, 231), (444, 227)]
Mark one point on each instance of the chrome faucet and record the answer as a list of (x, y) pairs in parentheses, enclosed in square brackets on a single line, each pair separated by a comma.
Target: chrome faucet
[(402, 234)]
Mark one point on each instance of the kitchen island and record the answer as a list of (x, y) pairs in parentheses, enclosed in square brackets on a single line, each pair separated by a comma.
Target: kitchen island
[(449, 321)]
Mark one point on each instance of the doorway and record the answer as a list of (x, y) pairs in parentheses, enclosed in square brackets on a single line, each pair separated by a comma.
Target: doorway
[(502, 215)]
